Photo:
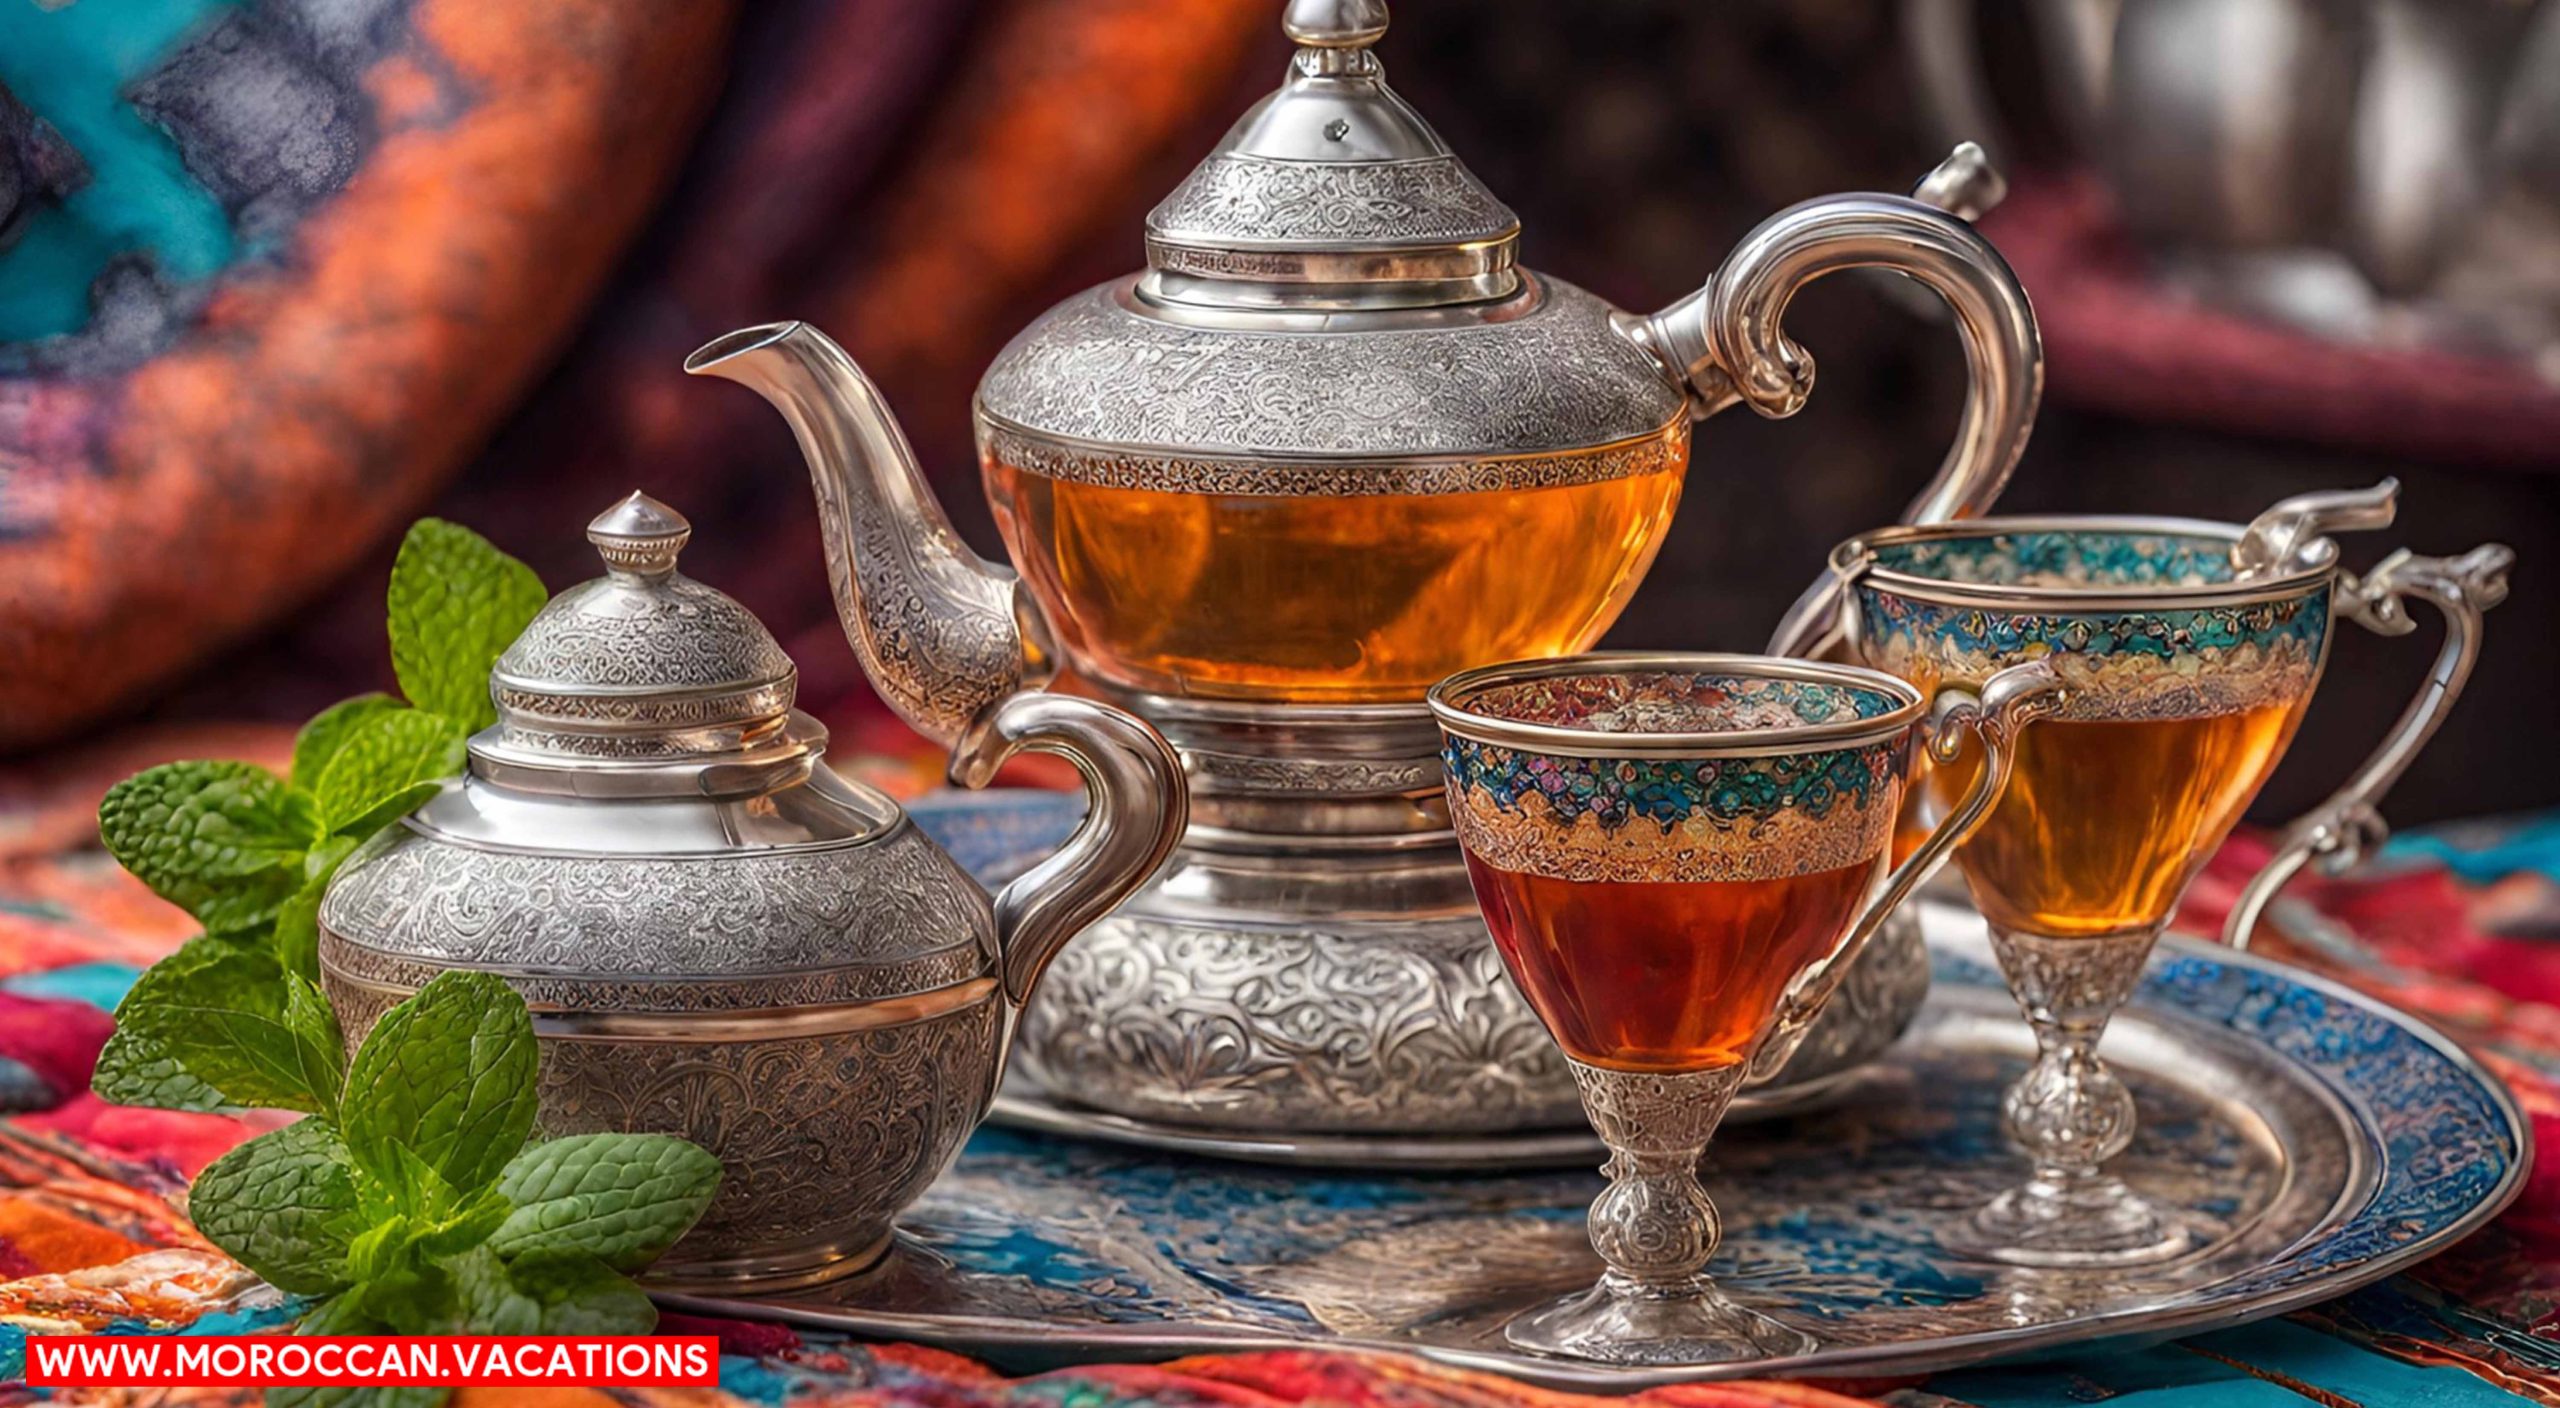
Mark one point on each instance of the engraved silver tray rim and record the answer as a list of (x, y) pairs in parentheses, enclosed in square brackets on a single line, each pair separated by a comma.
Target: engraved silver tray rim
[(1015, 1344), (1025, 1107)]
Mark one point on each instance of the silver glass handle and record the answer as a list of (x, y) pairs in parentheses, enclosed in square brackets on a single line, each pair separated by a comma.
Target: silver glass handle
[(1138, 807), (1728, 337), (2007, 703), (2342, 830)]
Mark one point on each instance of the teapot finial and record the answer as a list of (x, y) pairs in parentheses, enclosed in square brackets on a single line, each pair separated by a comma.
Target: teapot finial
[(640, 536), (1335, 24)]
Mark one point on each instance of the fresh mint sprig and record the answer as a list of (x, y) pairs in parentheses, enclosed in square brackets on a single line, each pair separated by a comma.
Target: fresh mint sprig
[(418, 1207), (249, 853)]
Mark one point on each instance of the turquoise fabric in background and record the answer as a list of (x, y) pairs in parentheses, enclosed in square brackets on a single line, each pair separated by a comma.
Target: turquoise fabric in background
[(70, 65)]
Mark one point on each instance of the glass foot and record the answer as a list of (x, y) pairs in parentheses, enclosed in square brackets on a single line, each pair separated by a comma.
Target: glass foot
[(1623, 1322), (2086, 1222)]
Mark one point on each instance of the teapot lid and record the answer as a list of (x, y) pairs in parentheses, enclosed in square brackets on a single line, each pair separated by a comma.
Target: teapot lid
[(1331, 192), (641, 665)]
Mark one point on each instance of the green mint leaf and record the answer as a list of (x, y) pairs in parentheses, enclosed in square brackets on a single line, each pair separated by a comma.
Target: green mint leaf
[(318, 1044), (467, 1227), (282, 1205), (580, 1295), (327, 732), (383, 1251), (216, 1011), (136, 1068), (416, 1297), (447, 1075), (489, 1301), (387, 765), (324, 860), (456, 603), (223, 841), (337, 1315), (621, 1198)]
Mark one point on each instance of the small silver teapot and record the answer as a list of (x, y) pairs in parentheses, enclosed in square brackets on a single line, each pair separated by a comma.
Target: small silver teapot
[(718, 935)]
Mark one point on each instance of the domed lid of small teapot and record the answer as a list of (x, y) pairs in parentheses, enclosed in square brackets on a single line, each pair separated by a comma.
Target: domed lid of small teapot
[(649, 812), (642, 664), (1332, 181)]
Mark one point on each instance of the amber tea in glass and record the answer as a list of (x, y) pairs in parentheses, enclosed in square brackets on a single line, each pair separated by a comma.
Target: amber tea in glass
[(2189, 651), (1664, 975), (1679, 856), (2106, 820)]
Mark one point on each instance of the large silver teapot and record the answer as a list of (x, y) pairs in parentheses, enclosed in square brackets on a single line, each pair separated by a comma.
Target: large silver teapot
[(1332, 444), (719, 936)]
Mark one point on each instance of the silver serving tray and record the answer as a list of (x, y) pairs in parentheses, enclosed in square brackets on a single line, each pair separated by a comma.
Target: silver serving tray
[(1023, 1105), (2330, 1138)]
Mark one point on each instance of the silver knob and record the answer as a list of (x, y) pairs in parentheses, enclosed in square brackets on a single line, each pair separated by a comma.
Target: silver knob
[(1335, 24), (640, 536)]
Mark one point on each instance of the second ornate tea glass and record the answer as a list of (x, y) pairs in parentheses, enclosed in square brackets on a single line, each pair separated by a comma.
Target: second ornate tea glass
[(2190, 651), (1679, 858)]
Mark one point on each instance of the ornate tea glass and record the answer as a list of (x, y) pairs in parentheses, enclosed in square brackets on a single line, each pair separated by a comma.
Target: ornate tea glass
[(2190, 651), (1679, 858)]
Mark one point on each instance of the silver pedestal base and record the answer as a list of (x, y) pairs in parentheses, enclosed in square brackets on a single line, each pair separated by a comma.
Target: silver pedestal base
[(1311, 961), (1363, 1025)]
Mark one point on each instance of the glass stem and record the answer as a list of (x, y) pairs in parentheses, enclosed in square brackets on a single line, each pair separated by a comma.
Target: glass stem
[(1654, 1225), (2069, 1114)]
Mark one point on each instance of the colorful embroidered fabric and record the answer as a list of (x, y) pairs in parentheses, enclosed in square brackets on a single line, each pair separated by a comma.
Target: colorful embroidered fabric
[(2455, 927)]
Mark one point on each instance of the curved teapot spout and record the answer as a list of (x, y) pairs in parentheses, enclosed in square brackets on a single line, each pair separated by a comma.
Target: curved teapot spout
[(944, 634)]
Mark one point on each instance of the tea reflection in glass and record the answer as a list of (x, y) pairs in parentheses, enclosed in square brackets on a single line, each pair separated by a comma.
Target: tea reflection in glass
[(1679, 857), (2190, 651)]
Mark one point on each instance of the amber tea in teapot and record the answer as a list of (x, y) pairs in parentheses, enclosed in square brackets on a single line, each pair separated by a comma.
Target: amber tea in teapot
[(1357, 599)]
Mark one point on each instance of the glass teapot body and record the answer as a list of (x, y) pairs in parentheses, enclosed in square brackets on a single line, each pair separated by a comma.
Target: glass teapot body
[(1346, 516)]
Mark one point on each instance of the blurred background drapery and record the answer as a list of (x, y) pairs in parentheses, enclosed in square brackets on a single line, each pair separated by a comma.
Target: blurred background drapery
[(453, 267)]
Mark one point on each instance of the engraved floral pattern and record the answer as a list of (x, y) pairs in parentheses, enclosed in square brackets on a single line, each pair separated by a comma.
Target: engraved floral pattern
[(896, 906), (1560, 377), (674, 633), (825, 1135), (1265, 202), (824, 1139), (1666, 450), (1269, 1027)]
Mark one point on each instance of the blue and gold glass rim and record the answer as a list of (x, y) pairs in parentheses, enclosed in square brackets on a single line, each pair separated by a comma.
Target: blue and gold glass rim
[(2189, 560), (1879, 706)]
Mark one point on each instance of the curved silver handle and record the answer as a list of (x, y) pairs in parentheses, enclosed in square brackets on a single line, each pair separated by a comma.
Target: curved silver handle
[(2007, 703), (1139, 804), (1728, 338), (2342, 830)]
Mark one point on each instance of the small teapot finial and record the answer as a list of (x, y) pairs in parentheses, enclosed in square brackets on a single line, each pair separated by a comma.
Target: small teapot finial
[(1335, 24), (640, 536)]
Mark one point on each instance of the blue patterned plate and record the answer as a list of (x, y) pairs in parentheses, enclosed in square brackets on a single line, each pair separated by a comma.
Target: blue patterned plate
[(2330, 1138)]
